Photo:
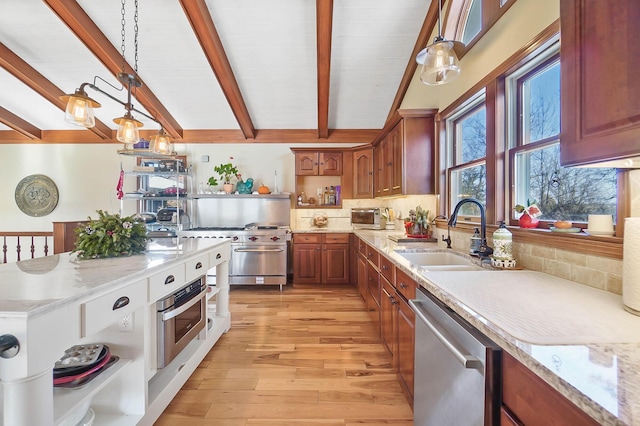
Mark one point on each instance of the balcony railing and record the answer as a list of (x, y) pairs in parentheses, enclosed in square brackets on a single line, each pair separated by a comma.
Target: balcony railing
[(25, 245)]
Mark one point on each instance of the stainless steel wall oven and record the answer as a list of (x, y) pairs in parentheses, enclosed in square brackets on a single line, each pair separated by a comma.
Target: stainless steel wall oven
[(181, 316)]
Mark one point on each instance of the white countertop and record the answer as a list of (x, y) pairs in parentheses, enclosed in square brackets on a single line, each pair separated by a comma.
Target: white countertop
[(36, 286), (578, 339)]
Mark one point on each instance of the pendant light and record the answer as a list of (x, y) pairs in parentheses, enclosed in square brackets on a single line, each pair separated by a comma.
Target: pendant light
[(439, 60), (161, 143), (79, 108)]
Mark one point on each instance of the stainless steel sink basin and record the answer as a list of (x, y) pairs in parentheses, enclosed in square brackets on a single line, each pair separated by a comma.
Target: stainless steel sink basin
[(440, 261)]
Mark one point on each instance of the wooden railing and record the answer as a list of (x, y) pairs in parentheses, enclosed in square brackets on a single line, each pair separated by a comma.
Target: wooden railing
[(25, 245)]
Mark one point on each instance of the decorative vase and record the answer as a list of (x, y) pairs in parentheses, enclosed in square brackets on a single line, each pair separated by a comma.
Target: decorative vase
[(527, 221), (228, 188)]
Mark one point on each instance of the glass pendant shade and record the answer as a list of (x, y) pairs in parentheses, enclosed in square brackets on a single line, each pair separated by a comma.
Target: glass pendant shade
[(160, 143), (440, 64), (79, 110), (127, 129)]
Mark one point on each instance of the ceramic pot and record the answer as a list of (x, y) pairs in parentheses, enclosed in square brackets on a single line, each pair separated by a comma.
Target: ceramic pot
[(228, 188), (527, 221)]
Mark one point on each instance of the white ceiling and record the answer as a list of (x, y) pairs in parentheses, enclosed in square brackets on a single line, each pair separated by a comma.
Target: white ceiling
[(270, 46)]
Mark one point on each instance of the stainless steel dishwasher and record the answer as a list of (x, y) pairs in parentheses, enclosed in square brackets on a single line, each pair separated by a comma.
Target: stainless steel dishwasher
[(457, 369)]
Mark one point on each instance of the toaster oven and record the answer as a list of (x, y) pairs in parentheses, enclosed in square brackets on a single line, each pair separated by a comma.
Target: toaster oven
[(367, 218)]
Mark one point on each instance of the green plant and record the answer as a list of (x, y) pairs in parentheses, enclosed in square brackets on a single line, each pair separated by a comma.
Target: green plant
[(226, 172), (110, 236)]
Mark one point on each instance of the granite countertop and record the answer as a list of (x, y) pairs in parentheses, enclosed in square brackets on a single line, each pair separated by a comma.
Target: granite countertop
[(578, 339), (37, 286)]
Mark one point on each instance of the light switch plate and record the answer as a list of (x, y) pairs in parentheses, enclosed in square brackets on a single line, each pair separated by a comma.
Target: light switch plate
[(204, 158)]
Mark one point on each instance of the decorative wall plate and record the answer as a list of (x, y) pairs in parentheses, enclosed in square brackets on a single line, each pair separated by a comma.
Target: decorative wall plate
[(36, 195)]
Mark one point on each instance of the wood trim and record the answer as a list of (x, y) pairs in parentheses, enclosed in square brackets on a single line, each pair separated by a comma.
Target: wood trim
[(41, 85), (19, 125), (72, 14), (324, 23), (203, 26), (423, 40)]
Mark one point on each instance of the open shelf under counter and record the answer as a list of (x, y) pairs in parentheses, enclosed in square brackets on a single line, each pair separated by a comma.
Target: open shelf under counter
[(68, 400)]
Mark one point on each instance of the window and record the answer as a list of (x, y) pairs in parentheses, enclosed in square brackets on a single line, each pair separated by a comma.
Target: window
[(466, 148), (472, 22), (533, 111)]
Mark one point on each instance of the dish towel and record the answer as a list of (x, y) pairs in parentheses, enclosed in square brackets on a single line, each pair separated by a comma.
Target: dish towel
[(631, 265)]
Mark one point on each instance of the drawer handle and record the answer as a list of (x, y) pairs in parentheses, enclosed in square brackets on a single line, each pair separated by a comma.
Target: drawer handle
[(198, 265), (121, 302), (9, 346), (169, 279), (384, 267), (219, 256), (403, 285)]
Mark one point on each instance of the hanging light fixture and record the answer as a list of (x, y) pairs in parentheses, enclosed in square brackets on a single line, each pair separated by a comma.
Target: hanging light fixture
[(161, 143), (79, 108), (439, 60)]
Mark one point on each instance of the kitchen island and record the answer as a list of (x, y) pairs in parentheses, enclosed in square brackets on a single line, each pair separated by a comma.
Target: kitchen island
[(577, 339), (52, 303)]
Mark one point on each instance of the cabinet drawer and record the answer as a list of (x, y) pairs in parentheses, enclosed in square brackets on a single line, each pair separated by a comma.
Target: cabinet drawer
[(372, 255), (109, 308), (307, 238), (405, 285), (336, 238), (387, 268), (197, 267), (166, 282)]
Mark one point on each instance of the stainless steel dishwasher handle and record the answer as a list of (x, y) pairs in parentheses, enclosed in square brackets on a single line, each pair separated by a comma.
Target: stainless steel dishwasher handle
[(175, 312), (468, 361), (258, 250)]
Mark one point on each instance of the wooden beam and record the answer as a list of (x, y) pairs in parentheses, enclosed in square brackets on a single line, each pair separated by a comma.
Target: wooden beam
[(207, 35), (324, 23), (72, 14), (423, 40), (19, 125), (276, 136), (41, 85)]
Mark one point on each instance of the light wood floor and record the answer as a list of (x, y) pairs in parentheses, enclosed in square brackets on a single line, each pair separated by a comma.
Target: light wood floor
[(306, 356)]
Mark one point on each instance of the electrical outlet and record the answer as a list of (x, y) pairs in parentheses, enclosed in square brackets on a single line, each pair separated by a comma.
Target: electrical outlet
[(126, 323)]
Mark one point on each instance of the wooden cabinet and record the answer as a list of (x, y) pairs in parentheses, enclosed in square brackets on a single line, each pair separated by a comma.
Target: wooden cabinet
[(600, 107), (529, 400), (363, 173), (388, 318), (309, 163), (404, 156), (64, 235), (321, 258)]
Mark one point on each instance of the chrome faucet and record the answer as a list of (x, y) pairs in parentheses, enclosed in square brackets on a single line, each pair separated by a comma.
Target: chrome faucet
[(484, 250)]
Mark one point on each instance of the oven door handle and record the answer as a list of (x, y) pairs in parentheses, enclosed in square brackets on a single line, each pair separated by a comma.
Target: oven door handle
[(175, 312), (275, 250), (467, 360)]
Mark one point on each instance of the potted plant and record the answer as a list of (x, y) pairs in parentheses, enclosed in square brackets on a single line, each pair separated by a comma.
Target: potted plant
[(529, 214), (419, 223), (226, 171)]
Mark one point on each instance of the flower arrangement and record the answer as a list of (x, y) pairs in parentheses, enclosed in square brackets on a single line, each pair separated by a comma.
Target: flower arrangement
[(529, 214), (110, 236), (418, 222)]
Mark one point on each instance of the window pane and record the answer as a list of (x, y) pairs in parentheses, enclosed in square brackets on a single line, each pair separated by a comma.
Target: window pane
[(541, 105), (473, 25), (563, 193), (468, 182), (471, 137)]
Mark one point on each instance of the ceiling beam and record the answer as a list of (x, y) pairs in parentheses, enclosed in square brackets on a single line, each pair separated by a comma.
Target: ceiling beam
[(207, 35), (324, 24), (423, 40), (19, 125), (41, 85), (72, 14)]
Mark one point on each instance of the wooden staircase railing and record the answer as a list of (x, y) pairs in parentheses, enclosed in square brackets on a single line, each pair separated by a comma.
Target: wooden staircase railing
[(24, 245)]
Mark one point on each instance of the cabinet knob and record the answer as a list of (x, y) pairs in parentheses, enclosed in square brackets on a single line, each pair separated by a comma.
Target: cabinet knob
[(403, 285)]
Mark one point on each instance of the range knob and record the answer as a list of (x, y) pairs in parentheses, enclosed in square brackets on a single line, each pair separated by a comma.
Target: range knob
[(275, 238), (235, 238), (253, 238)]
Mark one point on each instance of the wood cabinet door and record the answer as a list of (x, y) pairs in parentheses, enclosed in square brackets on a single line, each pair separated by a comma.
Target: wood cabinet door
[(600, 106), (335, 263), (387, 166), (306, 163), (363, 173), (388, 318), (307, 261), (330, 164), (378, 167), (396, 166), (406, 344)]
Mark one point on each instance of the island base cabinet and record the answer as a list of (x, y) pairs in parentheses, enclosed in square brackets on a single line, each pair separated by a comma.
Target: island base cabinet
[(528, 400)]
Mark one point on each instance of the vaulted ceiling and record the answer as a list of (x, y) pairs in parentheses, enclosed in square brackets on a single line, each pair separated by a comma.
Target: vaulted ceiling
[(212, 70)]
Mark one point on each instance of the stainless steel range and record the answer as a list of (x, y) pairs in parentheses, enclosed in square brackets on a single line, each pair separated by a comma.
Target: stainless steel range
[(259, 249)]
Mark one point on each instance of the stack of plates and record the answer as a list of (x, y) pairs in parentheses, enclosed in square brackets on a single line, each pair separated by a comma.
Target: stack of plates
[(600, 233)]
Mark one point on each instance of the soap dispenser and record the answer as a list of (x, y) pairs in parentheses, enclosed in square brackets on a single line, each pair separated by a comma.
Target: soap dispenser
[(476, 242), (502, 243)]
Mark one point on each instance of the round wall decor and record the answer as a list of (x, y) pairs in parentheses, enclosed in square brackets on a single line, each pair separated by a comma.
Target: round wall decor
[(37, 195)]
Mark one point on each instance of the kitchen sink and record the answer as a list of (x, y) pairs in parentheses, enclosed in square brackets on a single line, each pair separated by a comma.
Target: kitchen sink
[(440, 261)]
